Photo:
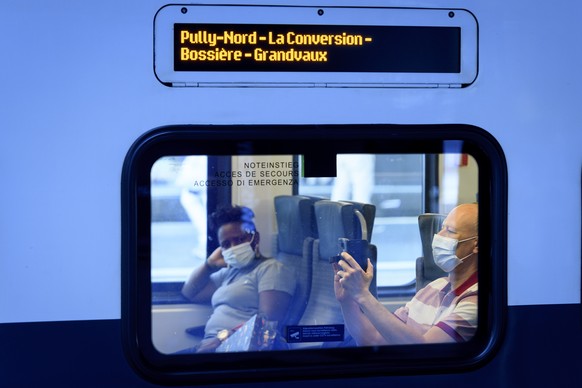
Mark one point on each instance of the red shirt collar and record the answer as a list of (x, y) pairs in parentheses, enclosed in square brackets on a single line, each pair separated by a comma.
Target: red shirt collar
[(468, 283)]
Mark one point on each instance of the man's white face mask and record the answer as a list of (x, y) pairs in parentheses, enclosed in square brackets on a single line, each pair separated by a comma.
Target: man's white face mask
[(239, 256), (444, 252)]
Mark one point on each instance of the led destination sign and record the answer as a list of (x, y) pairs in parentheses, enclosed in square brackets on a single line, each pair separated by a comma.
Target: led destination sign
[(301, 46), (316, 48)]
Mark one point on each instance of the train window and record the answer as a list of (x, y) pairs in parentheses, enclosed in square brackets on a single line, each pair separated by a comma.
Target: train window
[(247, 226)]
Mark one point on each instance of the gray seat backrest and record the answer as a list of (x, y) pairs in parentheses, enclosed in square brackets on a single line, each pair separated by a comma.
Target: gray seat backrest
[(334, 220), (426, 270), (295, 236), (369, 212)]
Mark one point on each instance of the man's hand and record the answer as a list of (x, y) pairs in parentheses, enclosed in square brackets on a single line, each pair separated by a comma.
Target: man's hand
[(350, 280), (340, 293)]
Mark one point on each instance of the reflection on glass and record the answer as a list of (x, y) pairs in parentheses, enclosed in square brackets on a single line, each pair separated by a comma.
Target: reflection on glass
[(283, 235), (394, 184), (178, 216)]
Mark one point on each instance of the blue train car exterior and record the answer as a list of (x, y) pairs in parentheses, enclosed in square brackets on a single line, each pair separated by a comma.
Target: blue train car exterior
[(79, 87)]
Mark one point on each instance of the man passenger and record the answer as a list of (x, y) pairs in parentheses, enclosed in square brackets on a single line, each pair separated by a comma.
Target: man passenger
[(444, 311)]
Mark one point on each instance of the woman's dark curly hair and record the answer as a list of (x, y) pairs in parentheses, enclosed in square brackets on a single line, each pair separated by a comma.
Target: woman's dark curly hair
[(227, 214)]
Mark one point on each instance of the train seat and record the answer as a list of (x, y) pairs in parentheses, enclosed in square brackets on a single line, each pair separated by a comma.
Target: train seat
[(294, 241), (334, 220), (369, 212), (426, 270)]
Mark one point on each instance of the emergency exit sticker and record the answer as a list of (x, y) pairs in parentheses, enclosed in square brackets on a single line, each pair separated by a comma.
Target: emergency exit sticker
[(315, 333)]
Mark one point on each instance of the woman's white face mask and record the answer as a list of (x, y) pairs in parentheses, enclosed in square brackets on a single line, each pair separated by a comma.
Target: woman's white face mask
[(239, 256), (444, 252)]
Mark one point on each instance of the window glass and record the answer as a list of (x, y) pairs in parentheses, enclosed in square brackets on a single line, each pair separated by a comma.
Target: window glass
[(265, 186), (394, 184), (178, 225)]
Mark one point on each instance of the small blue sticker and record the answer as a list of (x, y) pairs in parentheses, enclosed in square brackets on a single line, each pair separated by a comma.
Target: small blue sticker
[(315, 333)]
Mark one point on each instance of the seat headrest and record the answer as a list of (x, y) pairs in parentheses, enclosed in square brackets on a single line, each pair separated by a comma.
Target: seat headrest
[(295, 222), (429, 224), (334, 220), (369, 212)]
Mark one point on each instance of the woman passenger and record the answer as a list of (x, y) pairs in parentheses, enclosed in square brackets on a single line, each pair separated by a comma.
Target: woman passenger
[(237, 279)]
